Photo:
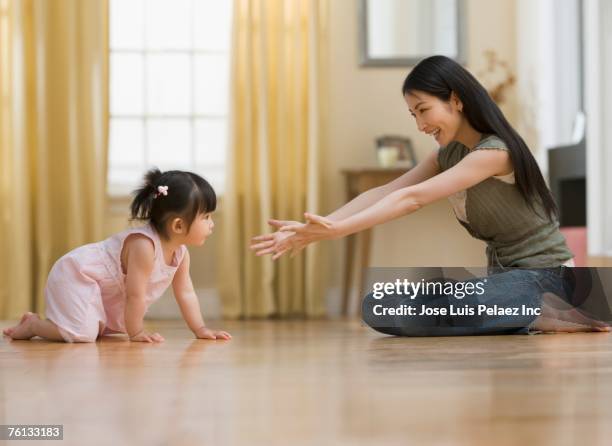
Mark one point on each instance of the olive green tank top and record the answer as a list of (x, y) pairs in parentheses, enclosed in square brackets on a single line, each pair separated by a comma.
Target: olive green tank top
[(494, 211)]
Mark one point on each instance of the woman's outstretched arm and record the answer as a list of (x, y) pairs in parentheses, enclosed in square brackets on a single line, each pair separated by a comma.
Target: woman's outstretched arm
[(473, 169), (267, 243), (424, 170)]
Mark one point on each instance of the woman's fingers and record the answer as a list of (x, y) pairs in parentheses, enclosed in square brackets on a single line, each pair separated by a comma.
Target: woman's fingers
[(279, 253), (262, 245), (318, 220), (276, 223), (311, 219), (279, 223), (292, 228), (296, 251), (262, 238), (263, 252)]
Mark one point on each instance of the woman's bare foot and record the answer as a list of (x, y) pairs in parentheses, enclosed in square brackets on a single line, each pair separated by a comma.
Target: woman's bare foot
[(559, 317), (25, 328)]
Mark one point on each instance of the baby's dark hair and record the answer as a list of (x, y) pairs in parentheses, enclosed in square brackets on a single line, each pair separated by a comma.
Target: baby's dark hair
[(187, 195)]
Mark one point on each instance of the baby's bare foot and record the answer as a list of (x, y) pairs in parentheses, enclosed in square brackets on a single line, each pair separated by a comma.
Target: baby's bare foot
[(23, 330), (8, 331)]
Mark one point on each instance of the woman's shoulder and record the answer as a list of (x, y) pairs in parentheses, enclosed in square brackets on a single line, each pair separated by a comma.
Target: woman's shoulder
[(450, 154), (491, 142)]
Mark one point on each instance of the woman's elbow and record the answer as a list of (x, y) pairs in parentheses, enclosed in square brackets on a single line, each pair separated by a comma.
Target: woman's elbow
[(412, 201)]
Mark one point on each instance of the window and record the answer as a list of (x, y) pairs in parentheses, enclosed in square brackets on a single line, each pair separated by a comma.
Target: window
[(169, 72), (568, 66)]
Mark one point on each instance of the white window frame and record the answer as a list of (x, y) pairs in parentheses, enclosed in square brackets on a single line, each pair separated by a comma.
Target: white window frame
[(122, 190)]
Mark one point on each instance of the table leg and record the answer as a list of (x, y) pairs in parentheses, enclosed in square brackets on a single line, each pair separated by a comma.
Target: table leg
[(366, 237), (348, 272)]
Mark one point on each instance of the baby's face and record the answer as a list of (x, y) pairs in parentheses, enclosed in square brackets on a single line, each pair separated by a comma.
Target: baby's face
[(201, 229)]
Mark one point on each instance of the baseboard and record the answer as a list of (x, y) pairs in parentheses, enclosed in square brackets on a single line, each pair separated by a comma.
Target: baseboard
[(167, 308)]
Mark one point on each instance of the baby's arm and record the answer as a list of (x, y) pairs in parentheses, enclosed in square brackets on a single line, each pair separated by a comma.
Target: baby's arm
[(188, 303), (140, 258)]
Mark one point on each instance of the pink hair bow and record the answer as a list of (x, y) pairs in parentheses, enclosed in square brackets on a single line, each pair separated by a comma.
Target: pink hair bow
[(162, 190)]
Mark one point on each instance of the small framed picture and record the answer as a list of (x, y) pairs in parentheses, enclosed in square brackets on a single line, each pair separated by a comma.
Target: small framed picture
[(395, 151)]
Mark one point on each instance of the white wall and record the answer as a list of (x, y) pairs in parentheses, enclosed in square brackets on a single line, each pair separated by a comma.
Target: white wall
[(548, 68), (598, 44)]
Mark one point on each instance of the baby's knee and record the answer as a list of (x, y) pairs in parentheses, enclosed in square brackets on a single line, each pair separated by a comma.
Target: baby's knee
[(84, 335), (85, 339)]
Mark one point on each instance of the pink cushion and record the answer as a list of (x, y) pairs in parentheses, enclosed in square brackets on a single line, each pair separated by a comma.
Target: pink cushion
[(576, 237)]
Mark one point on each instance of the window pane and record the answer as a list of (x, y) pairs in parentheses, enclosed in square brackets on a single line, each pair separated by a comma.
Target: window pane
[(123, 180), (168, 84), (169, 143), (212, 24), (126, 84), (168, 24), (216, 178), (126, 148), (211, 84), (155, 94), (211, 142), (126, 24)]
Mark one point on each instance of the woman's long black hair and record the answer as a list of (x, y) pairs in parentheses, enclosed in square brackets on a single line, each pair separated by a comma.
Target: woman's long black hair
[(440, 76)]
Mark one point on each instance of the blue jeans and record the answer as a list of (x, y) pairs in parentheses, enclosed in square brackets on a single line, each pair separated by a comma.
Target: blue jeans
[(510, 288)]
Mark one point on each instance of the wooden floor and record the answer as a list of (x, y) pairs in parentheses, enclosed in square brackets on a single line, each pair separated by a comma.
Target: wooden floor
[(314, 383)]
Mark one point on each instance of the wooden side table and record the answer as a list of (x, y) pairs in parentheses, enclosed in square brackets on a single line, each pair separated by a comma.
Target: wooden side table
[(357, 182)]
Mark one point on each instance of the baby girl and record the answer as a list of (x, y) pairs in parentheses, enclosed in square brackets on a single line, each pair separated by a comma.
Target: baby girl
[(107, 287)]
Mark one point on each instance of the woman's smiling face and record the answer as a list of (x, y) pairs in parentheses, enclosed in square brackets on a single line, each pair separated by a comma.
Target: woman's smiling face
[(434, 116)]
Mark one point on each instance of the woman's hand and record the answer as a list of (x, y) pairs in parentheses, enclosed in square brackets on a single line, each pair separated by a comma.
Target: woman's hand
[(207, 333), (143, 336), (294, 236), (276, 243), (315, 229)]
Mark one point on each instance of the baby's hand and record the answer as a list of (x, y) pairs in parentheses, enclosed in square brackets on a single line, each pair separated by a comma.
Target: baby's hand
[(147, 337), (207, 333)]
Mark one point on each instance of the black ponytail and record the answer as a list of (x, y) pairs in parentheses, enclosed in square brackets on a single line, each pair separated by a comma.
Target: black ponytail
[(440, 76), (182, 194), (144, 197)]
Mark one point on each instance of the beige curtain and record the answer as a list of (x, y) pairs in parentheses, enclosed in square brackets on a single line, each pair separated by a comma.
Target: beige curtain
[(278, 105), (53, 139)]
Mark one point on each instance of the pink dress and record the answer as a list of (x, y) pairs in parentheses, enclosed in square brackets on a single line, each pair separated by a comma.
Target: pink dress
[(85, 292)]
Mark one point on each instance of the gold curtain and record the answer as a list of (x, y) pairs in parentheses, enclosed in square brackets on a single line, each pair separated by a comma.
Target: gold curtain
[(277, 111), (53, 139)]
